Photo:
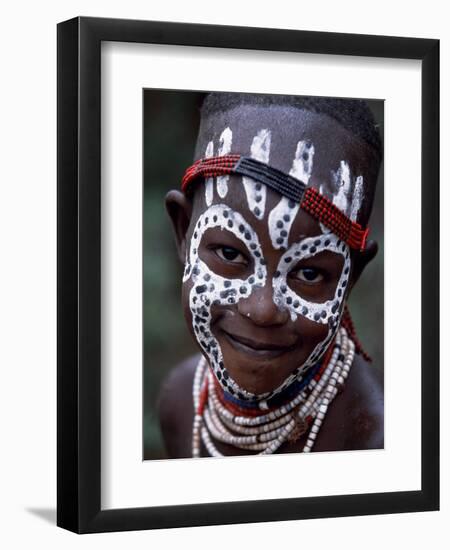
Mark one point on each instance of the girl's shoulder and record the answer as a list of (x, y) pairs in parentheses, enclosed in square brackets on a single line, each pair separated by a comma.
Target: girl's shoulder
[(355, 419), (175, 408)]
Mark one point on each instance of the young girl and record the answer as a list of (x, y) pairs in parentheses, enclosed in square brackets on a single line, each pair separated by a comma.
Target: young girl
[(271, 225)]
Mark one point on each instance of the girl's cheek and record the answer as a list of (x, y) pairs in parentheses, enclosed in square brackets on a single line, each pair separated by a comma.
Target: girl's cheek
[(311, 333), (185, 292)]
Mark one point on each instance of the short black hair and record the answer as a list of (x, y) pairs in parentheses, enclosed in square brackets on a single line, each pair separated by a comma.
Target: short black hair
[(353, 114)]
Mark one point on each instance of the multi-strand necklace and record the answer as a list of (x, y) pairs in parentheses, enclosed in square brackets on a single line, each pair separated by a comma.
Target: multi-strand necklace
[(264, 432)]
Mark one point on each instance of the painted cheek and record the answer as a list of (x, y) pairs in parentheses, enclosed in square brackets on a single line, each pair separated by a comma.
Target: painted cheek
[(327, 313), (297, 305), (282, 216), (210, 290)]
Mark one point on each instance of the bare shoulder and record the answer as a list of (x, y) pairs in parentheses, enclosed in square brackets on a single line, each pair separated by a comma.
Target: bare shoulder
[(175, 408), (365, 402), (356, 417)]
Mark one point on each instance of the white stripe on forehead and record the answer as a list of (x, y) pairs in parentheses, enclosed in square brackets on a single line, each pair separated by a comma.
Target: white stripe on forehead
[(283, 214), (225, 140), (256, 192), (342, 185), (357, 198), (302, 164), (347, 190), (209, 190)]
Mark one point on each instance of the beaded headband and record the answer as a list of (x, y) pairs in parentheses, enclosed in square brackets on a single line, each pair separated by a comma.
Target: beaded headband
[(311, 201)]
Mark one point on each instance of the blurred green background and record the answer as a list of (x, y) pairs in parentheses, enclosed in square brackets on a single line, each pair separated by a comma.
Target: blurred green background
[(170, 125)]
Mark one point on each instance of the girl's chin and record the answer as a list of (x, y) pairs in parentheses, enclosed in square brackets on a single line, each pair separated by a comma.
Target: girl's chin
[(256, 377)]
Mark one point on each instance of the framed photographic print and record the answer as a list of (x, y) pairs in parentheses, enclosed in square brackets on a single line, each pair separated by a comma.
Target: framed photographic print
[(247, 274)]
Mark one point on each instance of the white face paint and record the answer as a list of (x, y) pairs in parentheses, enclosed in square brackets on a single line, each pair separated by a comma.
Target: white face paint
[(211, 289), (307, 248), (302, 164), (209, 182), (280, 221), (349, 191), (357, 198), (342, 182), (255, 191), (283, 214), (225, 141), (328, 312)]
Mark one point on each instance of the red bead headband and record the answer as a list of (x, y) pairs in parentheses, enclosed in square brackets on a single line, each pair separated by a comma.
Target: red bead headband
[(310, 199)]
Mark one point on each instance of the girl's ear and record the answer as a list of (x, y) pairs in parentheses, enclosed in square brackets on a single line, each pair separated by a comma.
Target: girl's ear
[(179, 209), (361, 259)]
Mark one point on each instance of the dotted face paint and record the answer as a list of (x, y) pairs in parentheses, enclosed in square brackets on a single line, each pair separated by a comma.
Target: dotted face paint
[(225, 141), (328, 312), (211, 289), (283, 214), (307, 248), (280, 220), (255, 191), (302, 164), (348, 191)]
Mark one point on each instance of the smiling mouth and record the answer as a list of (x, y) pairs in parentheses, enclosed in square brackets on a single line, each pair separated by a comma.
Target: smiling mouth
[(254, 348)]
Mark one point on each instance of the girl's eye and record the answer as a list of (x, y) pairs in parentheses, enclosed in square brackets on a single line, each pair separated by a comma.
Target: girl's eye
[(230, 254), (309, 275)]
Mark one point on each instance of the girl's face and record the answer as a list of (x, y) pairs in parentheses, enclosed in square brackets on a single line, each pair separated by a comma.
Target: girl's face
[(264, 283), (262, 295)]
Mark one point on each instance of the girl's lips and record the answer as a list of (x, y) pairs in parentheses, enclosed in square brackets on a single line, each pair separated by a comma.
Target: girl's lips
[(257, 349)]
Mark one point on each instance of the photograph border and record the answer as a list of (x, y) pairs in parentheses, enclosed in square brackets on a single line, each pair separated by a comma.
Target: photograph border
[(79, 274)]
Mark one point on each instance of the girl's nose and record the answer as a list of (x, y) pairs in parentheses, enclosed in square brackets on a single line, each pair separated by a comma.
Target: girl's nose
[(260, 307)]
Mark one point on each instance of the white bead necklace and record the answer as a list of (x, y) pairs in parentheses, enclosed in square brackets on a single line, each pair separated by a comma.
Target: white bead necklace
[(266, 433)]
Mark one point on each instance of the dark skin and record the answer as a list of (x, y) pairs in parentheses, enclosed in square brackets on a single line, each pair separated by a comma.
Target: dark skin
[(354, 420), (261, 344)]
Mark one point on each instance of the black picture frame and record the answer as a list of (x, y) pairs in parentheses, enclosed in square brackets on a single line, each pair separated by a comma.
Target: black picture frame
[(79, 275)]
